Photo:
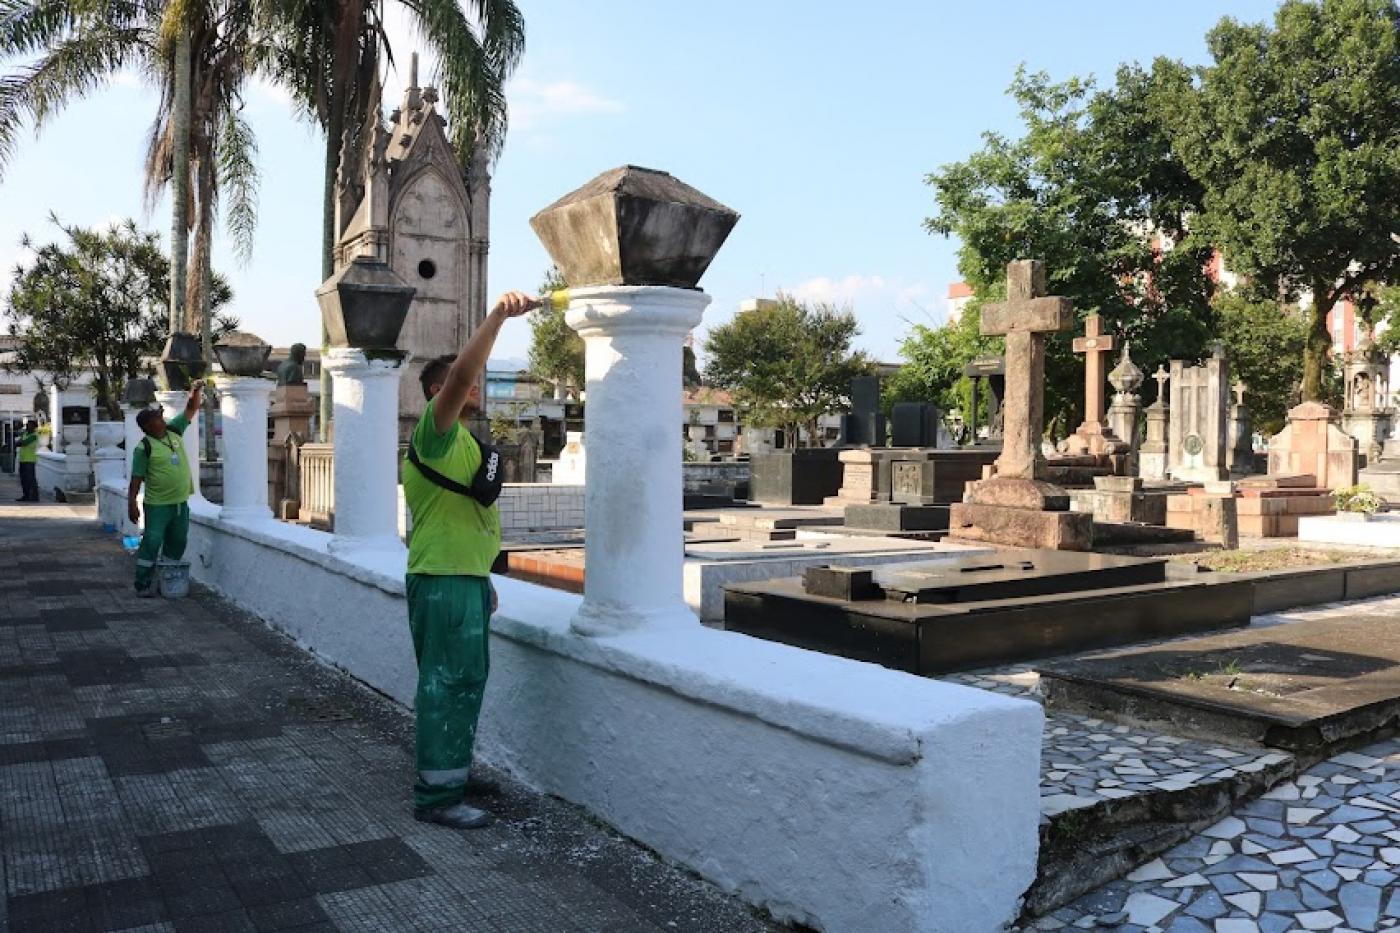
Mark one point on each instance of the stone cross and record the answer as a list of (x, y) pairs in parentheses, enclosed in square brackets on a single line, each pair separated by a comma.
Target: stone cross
[(1161, 375), (1027, 315), (1095, 345), (1239, 388)]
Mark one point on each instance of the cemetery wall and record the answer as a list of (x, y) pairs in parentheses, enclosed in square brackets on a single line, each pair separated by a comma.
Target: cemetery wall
[(834, 793)]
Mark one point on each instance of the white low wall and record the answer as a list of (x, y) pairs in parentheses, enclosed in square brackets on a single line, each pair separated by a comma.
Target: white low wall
[(57, 471), (1382, 530), (834, 793)]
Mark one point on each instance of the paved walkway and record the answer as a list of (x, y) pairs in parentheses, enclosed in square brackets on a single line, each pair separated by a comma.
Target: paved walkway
[(176, 766)]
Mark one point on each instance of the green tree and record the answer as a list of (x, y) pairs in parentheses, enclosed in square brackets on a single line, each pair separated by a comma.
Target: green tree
[(1293, 133), (1264, 342), (933, 359), (786, 365), (1096, 189), (556, 349), (97, 300)]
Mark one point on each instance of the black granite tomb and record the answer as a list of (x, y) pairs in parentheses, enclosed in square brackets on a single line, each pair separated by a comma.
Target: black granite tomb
[(987, 609)]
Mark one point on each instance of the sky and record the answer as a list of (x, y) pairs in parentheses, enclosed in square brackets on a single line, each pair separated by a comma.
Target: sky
[(816, 121)]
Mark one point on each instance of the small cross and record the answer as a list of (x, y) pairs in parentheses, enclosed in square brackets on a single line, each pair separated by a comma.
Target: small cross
[(1095, 345), (1161, 375), (1239, 388), (1027, 315)]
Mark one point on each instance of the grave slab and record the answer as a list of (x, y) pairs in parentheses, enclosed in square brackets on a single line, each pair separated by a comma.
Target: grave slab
[(1307, 687), (990, 609)]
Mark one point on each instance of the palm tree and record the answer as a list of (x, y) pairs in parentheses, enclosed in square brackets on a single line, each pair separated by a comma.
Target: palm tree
[(224, 39), (330, 57), (196, 52)]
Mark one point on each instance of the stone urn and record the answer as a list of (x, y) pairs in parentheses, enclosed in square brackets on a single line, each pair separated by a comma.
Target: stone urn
[(1354, 516), (364, 305), (140, 391), (242, 354), (634, 226), (182, 361)]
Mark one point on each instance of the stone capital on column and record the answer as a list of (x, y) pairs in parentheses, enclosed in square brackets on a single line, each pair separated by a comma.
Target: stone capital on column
[(343, 362), (637, 309), (243, 401)]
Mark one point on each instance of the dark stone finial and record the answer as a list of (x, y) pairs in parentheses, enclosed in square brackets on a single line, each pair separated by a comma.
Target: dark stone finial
[(364, 305), (634, 226)]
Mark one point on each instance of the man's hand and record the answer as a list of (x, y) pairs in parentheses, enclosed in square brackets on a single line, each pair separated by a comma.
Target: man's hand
[(471, 361), (514, 304), (195, 400), (133, 511), (495, 599)]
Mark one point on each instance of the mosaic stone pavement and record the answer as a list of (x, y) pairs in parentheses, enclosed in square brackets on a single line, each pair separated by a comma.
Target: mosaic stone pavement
[(1321, 852), (174, 766), (1085, 762)]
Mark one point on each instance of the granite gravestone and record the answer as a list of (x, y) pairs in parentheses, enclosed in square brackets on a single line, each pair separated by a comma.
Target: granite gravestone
[(864, 424), (1198, 432)]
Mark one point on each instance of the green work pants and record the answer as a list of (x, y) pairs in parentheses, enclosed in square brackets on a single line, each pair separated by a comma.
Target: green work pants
[(449, 617), (166, 533)]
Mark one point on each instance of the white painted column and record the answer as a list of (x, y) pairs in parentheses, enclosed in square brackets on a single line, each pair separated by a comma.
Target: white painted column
[(366, 397), (633, 532), (243, 401), (133, 433), (173, 404)]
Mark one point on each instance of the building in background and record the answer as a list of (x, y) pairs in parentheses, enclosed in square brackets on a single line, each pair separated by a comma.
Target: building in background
[(959, 294)]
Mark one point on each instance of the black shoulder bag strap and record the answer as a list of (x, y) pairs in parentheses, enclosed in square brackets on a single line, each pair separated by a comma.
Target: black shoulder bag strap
[(486, 485)]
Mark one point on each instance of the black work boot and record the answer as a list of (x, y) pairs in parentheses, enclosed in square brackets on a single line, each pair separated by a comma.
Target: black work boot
[(482, 787), (454, 816)]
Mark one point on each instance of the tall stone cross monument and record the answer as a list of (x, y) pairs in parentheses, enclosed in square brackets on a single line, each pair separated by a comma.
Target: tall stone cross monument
[(1018, 506), (1092, 437), (1027, 315)]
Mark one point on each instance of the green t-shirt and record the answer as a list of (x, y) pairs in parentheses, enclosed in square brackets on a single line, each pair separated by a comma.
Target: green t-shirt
[(29, 448), (453, 535), (165, 468)]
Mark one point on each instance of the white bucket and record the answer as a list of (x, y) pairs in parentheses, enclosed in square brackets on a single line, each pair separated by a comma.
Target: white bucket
[(173, 578)]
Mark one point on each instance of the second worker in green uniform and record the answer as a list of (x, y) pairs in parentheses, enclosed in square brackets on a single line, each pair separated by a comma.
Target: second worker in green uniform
[(161, 463), (456, 537)]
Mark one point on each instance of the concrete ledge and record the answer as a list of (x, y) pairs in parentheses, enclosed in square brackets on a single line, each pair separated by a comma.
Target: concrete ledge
[(835, 794)]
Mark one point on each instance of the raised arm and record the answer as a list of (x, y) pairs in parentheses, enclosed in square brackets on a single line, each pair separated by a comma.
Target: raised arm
[(195, 400), (471, 362)]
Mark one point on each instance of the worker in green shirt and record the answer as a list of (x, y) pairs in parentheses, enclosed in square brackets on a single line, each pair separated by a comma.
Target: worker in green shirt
[(450, 488), (28, 444), (160, 462)]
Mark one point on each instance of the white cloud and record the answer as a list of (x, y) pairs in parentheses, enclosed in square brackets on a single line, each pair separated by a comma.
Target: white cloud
[(533, 103), (885, 306), (870, 293)]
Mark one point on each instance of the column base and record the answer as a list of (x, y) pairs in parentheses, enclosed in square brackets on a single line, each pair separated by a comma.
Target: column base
[(253, 513), (383, 544), (600, 621)]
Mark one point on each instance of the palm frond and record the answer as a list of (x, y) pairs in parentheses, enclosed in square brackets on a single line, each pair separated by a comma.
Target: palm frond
[(27, 27), (502, 33), (72, 69), (472, 89), (238, 181)]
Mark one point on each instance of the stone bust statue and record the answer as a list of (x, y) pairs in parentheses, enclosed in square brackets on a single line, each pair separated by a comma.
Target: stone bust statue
[(290, 371)]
